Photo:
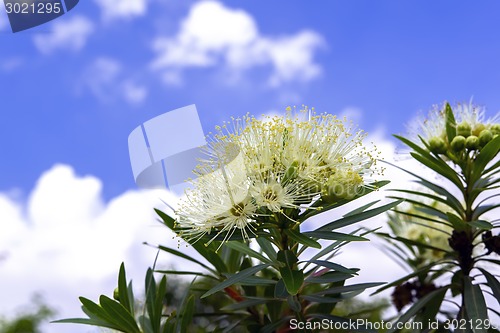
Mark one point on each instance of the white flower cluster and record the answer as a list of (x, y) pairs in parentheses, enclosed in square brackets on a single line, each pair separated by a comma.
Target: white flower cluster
[(266, 171)]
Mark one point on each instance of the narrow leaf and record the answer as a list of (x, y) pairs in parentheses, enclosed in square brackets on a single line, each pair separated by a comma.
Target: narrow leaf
[(331, 235), (415, 308), (121, 316), (451, 124), (481, 224), (187, 314), (475, 305), (493, 283), (244, 248), (345, 221), (302, 238), (123, 290), (333, 266), (235, 279)]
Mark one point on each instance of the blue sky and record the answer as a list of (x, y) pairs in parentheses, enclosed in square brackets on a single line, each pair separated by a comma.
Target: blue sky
[(73, 89)]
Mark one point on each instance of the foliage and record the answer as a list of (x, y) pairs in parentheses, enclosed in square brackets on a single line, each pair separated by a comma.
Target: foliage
[(462, 149), (262, 181), (28, 322)]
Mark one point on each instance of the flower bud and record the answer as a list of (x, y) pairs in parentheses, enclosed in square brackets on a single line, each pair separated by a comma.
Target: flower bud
[(116, 294), (344, 184), (495, 129), (478, 129), (472, 142), (437, 145), (458, 143), (485, 137), (464, 129)]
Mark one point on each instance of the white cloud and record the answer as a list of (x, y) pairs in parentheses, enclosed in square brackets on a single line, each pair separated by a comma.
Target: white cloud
[(105, 80), (113, 9), (133, 92), (70, 34), (213, 34), (65, 242)]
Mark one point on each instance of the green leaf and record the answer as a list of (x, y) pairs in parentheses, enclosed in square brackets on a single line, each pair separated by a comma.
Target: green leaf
[(235, 279), (267, 248), (244, 248), (475, 305), (247, 303), (167, 220), (422, 271), (257, 281), (440, 167), (493, 283), (484, 209), (415, 308), (292, 278), (412, 242), (451, 124), (280, 290), (329, 277), (345, 221), (333, 266), (184, 256), (120, 314), (96, 310), (345, 289), (123, 292), (426, 195), (457, 223), (86, 321), (321, 300), (431, 308), (365, 190), (293, 303), (271, 327), (174, 272), (187, 311), (302, 238), (487, 153), (332, 235), (362, 208), (452, 201), (481, 224), (158, 304), (288, 258), (432, 162)]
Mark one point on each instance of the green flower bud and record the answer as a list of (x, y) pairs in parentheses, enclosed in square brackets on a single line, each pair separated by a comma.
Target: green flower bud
[(437, 145), (485, 137), (472, 142), (478, 129), (458, 143), (464, 129), (116, 294), (495, 129)]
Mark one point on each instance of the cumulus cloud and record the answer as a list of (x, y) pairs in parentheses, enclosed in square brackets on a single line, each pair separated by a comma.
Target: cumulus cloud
[(65, 242), (213, 34), (114, 9), (106, 80), (65, 34)]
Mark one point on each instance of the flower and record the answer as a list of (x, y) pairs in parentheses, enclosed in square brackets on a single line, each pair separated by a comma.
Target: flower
[(257, 170), (473, 130)]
